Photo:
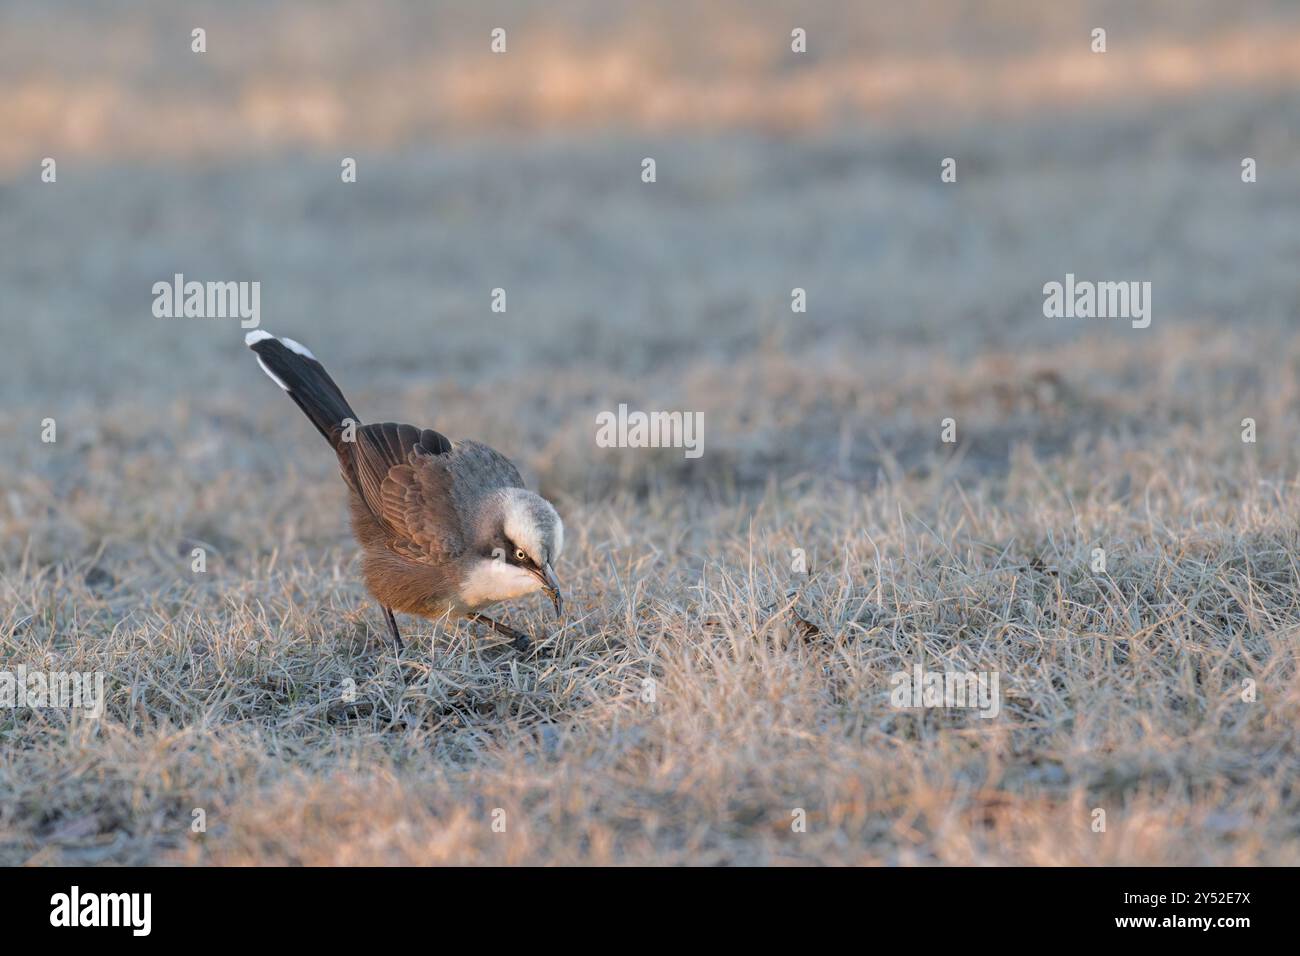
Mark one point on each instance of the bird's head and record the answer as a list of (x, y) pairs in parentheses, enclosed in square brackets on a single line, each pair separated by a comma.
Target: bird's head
[(521, 537)]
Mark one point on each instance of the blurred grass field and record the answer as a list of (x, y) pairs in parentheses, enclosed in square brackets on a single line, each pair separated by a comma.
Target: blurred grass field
[(1121, 690)]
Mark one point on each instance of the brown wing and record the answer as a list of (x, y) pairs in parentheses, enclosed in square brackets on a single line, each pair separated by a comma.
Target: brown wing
[(401, 474)]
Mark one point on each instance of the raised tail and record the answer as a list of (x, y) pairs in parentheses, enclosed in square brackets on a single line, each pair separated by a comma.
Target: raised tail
[(293, 367)]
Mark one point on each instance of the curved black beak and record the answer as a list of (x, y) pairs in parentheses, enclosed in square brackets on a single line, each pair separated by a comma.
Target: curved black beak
[(552, 588)]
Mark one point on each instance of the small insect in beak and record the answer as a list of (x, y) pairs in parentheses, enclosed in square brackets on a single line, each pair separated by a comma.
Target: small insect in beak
[(552, 588)]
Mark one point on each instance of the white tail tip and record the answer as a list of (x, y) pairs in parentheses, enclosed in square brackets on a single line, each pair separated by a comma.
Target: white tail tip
[(297, 347)]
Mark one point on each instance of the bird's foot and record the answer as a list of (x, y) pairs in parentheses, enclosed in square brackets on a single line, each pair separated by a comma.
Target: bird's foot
[(518, 639), (398, 645)]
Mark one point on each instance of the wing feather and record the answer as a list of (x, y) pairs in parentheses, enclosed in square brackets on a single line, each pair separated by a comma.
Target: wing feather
[(425, 491), (418, 505), (400, 473)]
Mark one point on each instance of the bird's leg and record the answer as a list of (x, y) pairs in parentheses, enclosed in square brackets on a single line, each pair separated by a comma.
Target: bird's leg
[(392, 626), (518, 640)]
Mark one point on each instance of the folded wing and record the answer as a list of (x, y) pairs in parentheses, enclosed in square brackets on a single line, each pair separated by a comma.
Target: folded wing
[(400, 472)]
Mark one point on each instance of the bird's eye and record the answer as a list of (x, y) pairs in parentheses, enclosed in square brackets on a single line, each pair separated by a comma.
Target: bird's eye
[(519, 554)]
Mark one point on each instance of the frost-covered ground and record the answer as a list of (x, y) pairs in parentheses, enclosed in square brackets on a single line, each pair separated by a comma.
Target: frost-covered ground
[(1122, 690)]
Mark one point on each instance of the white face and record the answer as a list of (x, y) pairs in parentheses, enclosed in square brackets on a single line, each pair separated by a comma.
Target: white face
[(521, 527), (491, 580)]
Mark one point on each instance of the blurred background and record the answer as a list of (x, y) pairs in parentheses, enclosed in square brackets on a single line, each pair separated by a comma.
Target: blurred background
[(522, 171), (775, 170)]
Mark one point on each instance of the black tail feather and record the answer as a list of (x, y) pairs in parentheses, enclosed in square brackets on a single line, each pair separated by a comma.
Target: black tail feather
[(298, 372)]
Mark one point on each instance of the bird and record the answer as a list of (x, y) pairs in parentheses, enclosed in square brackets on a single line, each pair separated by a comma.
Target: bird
[(446, 528)]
